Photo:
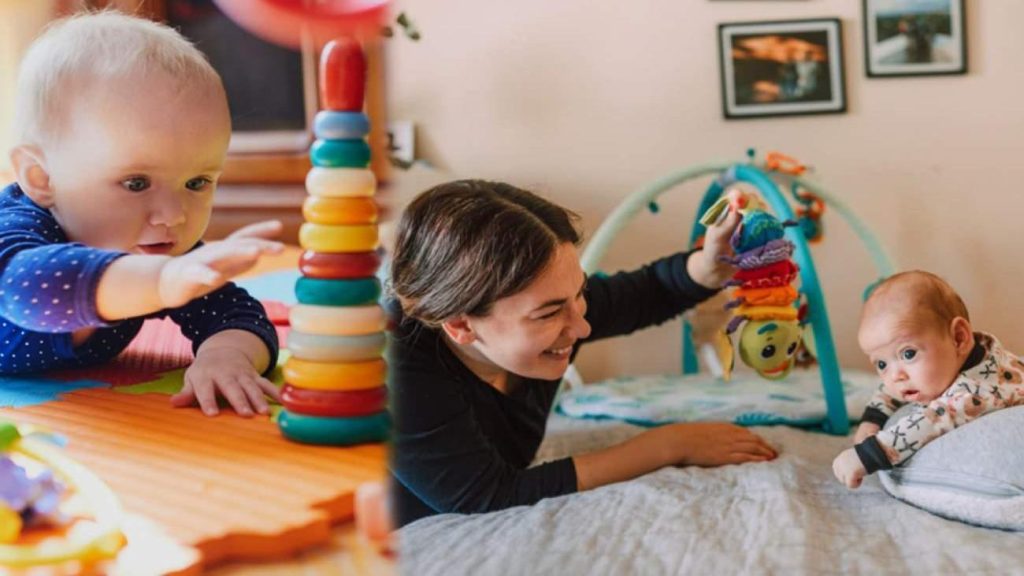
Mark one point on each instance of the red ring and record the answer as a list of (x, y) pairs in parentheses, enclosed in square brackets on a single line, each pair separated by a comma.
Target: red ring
[(339, 265), (334, 403)]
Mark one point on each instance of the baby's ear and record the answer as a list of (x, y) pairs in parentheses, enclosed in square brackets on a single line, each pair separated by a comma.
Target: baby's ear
[(30, 170), (963, 334)]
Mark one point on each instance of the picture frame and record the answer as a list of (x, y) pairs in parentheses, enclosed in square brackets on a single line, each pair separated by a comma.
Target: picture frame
[(782, 68), (914, 38)]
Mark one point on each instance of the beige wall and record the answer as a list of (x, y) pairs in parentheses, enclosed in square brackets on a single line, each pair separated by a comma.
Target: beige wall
[(586, 101), (20, 21)]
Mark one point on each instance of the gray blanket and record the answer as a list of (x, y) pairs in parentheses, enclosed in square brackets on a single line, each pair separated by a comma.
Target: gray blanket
[(974, 473), (789, 516)]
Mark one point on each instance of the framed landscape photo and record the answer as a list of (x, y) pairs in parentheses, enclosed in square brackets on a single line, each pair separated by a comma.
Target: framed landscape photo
[(914, 37), (781, 68)]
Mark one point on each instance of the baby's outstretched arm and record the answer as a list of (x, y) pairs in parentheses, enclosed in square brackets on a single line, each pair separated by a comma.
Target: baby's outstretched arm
[(136, 285), (229, 364)]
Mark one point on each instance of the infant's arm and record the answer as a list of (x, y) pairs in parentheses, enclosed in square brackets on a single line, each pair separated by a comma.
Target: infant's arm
[(50, 288), (958, 406), (876, 413), (137, 285), (228, 364), (234, 343)]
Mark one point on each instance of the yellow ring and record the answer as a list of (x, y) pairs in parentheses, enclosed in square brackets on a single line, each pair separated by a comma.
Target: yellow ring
[(337, 320), (341, 182), (335, 211), (335, 376), (323, 238)]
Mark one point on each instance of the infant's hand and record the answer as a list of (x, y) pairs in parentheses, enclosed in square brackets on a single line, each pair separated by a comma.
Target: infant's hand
[(864, 431), (201, 271), (848, 468), (230, 374)]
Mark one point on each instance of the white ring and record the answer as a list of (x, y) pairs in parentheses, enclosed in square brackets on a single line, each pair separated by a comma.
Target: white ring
[(340, 182), (337, 320)]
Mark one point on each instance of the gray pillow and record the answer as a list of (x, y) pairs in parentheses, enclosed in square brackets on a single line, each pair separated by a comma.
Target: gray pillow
[(973, 474)]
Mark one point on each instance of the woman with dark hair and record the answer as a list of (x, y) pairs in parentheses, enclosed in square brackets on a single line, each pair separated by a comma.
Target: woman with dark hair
[(491, 307)]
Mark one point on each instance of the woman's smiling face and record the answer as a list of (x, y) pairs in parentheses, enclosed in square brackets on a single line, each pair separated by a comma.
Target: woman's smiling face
[(532, 333)]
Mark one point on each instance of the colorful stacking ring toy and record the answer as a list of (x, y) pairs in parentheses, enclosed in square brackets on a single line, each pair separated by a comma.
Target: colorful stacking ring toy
[(336, 266), (328, 348), (334, 392), (321, 238), (334, 403), (334, 431), (341, 182)]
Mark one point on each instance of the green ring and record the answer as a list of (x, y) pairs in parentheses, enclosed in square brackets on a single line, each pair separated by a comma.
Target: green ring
[(325, 292), (334, 431), (353, 153)]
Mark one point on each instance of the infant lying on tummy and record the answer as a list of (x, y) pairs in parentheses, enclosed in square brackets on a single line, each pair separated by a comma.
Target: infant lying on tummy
[(918, 335)]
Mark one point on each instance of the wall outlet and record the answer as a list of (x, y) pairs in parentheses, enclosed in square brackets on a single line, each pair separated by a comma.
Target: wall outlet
[(402, 141)]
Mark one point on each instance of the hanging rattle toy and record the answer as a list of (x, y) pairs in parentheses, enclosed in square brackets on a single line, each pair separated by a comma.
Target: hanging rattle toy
[(763, 297)]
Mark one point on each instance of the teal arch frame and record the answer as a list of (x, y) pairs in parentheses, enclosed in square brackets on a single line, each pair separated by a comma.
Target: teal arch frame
[(836, 421)]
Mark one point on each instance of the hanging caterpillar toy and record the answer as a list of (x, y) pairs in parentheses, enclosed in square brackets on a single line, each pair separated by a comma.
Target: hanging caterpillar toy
[(763, 296)]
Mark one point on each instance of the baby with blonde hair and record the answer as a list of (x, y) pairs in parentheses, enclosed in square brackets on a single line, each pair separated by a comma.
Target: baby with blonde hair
[(122, 130), (917, 332)]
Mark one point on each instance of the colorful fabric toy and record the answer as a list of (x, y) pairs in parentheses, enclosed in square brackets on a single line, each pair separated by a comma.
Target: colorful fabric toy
[(763, 296), (26, 499), (31, 495)]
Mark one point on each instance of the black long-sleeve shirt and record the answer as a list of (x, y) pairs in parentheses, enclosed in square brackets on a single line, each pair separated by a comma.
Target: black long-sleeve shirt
[(462, 446)]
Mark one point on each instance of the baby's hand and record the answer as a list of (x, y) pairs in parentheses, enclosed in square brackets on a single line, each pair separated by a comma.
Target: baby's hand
[(848, 468), (201, 271), (864, 431), (229, 373)]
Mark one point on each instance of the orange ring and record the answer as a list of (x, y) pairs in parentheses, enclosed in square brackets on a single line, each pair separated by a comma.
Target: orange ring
[(335, 376), (334, 211)]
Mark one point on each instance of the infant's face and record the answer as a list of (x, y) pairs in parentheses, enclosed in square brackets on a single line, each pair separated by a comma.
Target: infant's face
[(915, 364), (136, 165)]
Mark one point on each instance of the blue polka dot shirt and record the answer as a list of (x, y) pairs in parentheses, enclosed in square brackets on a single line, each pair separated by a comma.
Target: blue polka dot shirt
[(48, 290)]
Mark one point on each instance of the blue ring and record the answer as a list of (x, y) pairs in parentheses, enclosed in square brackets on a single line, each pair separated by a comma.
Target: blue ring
[(334, 431), (334, 125)]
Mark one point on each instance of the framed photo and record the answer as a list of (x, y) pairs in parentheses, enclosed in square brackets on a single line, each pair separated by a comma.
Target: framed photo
[(914, 37), (782, 68)]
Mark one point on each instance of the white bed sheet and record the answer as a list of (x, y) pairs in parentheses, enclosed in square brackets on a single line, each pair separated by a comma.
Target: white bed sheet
[(789, 516)]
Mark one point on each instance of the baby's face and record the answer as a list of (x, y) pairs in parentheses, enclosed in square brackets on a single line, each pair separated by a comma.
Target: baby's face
[(915, 364), (135, 165)]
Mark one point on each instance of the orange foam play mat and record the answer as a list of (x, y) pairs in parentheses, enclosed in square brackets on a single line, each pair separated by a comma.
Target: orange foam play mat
[(223, 488)]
